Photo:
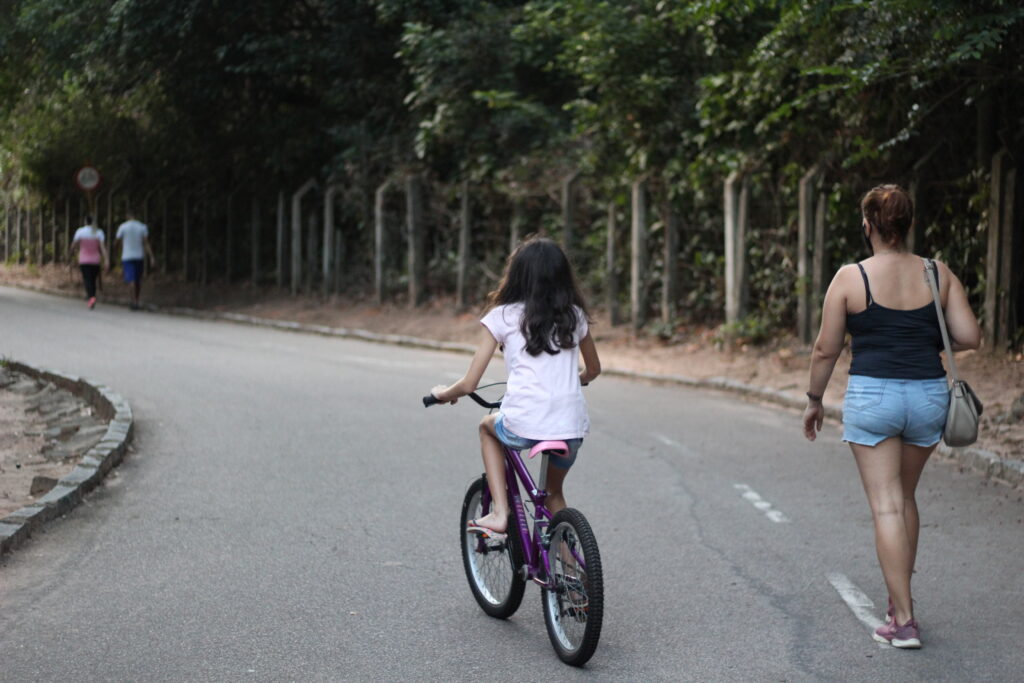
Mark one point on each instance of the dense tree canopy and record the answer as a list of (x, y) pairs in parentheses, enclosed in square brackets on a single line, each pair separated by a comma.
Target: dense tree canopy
[(511, 95)]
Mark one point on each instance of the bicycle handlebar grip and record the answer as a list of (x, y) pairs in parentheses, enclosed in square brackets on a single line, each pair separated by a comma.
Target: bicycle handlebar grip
[(430, 401)]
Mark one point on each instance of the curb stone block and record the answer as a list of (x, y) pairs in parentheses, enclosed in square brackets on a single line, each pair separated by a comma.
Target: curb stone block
[(84, 478), (12, 535), (31, 515), (61, 498), (96, 462)]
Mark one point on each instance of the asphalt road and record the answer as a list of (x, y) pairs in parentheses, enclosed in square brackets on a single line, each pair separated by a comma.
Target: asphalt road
[(289, 513)]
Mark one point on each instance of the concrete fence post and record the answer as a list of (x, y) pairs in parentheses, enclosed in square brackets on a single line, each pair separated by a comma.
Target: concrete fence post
[(737, 199), (279, 244), (638, 257), (254, 240), (462, 268), (993, 256), (415, 236), (670, 270), (327, 268), (379, 195), (611, 282), (297, 233)]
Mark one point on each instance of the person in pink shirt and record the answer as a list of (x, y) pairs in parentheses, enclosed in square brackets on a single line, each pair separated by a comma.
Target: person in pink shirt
[(538, 316), (92, 255)]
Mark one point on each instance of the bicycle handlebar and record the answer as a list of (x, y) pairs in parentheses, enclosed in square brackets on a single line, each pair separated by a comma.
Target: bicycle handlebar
[(430, 400)]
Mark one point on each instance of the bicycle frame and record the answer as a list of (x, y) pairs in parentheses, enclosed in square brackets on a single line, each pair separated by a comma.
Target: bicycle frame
[(535, 545)]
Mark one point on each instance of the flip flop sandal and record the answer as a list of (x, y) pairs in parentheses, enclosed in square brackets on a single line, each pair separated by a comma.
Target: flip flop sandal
[(486, 533)]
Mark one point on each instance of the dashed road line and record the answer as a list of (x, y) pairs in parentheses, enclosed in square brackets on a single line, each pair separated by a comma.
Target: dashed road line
[(761, 504), (859, 603), (674, 444)]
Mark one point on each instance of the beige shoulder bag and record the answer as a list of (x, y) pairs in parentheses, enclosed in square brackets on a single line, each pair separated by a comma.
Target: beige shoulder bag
[(964, 406)]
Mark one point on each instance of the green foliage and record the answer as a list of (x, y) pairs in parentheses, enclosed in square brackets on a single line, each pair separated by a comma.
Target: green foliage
[(210, 99)]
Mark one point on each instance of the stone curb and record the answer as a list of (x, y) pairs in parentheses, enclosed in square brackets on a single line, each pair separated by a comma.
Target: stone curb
[(90, 470), (1006, 471)]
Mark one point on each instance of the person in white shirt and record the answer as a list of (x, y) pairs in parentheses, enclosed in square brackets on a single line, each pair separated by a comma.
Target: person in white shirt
[(134, 238), (538, 316)]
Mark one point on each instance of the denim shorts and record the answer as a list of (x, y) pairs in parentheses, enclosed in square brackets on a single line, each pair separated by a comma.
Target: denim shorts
[(520, 443), (876, 409)]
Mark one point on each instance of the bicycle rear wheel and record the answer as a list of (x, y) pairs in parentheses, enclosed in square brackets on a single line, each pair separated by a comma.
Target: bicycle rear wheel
[(574, 608), (491, 568)]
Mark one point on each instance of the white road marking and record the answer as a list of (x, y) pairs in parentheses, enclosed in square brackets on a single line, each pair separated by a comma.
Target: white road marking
[(665, 440), (761, 504), (674, 444), (859, 603)]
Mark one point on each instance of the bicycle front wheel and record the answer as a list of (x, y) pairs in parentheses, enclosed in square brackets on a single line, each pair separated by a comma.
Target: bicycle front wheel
[(491, 568), (574, 607)]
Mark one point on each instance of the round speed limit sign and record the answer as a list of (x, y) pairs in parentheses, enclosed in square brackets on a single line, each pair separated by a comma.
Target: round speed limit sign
[(87, 178)]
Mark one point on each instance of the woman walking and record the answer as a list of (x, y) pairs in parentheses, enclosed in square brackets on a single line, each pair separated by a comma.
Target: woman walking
[(896, 399), (92, 255)]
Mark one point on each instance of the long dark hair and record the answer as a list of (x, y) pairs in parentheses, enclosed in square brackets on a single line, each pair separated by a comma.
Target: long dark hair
[(539, 276)]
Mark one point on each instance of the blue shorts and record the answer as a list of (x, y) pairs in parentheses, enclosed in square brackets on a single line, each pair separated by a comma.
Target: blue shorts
[(133, 269), (876, 409), (514, 441)]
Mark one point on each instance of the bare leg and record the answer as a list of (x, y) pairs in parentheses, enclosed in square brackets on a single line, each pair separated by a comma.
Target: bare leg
[(136, 291), (494, 466), (913, 462), (880, 471), (556, 499)]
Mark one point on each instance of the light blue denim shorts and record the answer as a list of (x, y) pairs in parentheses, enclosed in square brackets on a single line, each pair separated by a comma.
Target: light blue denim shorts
[(876, 409), (515, 441)]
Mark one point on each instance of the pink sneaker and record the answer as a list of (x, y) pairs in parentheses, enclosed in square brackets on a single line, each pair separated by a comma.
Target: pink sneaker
[(907, 636), (92, 302)]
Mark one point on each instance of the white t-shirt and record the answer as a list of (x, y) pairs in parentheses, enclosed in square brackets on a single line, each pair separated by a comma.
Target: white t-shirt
[(132, 232), (543, 398)]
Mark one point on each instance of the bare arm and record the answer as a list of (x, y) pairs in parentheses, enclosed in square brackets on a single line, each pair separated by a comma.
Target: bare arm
[(591, 361), (826, 351), (961, 324), (484, 351)]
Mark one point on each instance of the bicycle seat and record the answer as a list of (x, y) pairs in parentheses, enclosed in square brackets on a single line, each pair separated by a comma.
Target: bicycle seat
[(559, 449)]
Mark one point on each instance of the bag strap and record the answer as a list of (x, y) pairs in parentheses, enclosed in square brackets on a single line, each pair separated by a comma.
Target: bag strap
[(931, 274)]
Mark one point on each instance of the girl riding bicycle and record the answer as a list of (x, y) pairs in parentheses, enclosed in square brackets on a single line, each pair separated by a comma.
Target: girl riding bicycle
[(538, 316)]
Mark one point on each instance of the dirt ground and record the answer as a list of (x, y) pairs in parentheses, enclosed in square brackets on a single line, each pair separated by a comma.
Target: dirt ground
[(21, 442), (693, 351)]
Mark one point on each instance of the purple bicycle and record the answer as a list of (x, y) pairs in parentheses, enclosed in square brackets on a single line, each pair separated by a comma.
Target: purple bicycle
[(559, 553)]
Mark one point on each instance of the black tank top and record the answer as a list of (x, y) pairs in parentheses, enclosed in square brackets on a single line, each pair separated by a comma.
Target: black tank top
[(892, 344)]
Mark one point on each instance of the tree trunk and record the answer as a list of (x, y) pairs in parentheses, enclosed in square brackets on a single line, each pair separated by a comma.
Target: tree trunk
[(1009, 267), (638, 262), (414, 228), (463, 258), (611, 275)]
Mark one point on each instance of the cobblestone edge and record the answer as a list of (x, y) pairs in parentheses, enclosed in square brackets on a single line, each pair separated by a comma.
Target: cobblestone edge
[(19, 525), (1003, 470)]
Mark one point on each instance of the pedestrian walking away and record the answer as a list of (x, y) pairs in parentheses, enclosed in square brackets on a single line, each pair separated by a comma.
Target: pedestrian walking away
[(538, 316), (92, 255), (897, 396), (134, 238)]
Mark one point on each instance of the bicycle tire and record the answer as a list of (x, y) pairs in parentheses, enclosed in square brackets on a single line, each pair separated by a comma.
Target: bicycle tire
[(574, 609), (493, 572)]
